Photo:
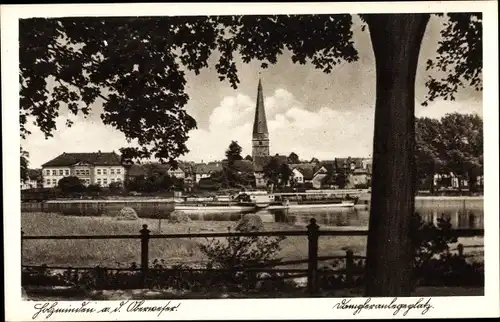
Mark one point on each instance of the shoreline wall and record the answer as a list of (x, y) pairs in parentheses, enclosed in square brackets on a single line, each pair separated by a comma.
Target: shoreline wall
[(143, 208)]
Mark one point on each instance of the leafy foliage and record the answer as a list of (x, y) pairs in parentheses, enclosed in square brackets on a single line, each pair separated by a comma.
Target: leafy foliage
[(285, 174), (430, 240), (239, 252), (115, 187), (70, 185), (277, 171), (136, 67), (452, 144), (24, 165), (233, 153), (340, 178), (428, 148), (293, 158), (459, 57), (155, 183), (434, 264), (462, 136), (94, 189)]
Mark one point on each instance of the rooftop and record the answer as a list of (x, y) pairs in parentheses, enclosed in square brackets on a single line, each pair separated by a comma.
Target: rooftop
[(94, 158)]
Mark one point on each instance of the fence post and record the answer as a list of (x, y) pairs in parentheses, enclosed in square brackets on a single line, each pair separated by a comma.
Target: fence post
[(460, 249), (349, 266), (312, 270), (100, 277), (144, 253)]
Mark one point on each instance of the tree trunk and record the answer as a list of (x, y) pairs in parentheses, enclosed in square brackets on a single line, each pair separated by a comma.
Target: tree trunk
[(396, 40)]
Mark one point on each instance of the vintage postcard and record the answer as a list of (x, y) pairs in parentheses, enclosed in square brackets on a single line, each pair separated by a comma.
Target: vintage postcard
[(250, 161)]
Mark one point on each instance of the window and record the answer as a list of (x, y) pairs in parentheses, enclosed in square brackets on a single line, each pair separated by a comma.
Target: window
[(118, 179), (112, 180), (67, 172), (77, 172), (104, 171), (112, 171), (48, 182), (47, 172), (98, 171), (87, 172), (61, 172), (118, 171), (98, 181), (104, 181), (54, 181), (54, 172)]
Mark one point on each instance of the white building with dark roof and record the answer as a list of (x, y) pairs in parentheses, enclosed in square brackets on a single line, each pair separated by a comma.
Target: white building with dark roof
[(102, 168)]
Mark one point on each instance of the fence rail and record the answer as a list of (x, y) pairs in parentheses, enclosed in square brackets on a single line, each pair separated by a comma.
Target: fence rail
[(313, 233)]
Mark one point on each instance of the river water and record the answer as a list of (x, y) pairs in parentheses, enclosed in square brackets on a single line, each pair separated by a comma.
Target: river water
[(463, 213), (359, 217)]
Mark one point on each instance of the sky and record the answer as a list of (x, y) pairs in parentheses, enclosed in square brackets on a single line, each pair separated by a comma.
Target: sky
[(310, 113)]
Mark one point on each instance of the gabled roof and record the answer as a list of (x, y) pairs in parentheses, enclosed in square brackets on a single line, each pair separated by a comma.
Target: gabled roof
[(94, 158), (306, 169), (244, 166), (329, 165), (136, 170), (206, 168)]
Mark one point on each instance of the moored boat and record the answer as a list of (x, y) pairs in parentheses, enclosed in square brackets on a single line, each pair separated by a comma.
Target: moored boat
[(325, 205), (215, 208)]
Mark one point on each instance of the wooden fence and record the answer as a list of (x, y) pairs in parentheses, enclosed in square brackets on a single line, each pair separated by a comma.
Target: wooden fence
[(312, 233)]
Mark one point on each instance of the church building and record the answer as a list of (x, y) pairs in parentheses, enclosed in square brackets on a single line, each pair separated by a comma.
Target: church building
[(260, 140)]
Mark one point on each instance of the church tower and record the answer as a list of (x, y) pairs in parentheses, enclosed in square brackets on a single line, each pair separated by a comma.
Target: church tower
[(260, 135)]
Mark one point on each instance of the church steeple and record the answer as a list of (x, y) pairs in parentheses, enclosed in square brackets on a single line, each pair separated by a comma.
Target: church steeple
[(260, 121), (260, 135)]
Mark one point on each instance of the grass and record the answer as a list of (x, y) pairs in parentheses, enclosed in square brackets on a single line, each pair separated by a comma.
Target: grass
[(122, 252)]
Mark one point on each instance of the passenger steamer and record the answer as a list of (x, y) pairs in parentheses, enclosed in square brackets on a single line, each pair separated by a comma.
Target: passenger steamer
[(253, 201)]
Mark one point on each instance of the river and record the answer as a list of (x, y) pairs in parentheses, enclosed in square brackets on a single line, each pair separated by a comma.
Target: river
[(464, 212)]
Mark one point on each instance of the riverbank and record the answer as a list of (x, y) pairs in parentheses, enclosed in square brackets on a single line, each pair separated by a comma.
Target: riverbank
[(122, 252)]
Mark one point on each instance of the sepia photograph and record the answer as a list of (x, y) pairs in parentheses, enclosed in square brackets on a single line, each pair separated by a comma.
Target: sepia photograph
[(273, 154)]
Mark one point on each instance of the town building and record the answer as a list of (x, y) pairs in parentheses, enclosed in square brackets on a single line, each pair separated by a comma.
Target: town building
[(324, 172), (102, 168), (260, 140), (302, 173), (205, 170), (33, 180)]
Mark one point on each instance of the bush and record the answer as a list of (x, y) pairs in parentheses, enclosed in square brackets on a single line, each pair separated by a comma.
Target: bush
[(115, 187), (71, 185), (249, 223), (238, 252), (94, 189), (434, 265), (127, 213), (177, 217)]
